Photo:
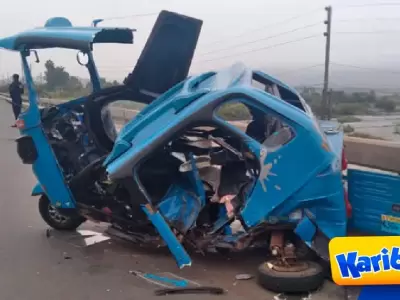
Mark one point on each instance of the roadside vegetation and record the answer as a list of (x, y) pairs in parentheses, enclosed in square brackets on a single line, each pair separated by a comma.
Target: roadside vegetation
[(348, 129), (365, 136), (396, 129), (348, 119), (57, 83), (346, 105)]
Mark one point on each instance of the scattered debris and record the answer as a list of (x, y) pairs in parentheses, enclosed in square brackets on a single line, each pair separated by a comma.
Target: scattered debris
[(108, 290), (190, 290), (92, 237), (308, 297), (302, 296), (66, 256), (244, 276), (164, 280), (175, 282), (48, 232)]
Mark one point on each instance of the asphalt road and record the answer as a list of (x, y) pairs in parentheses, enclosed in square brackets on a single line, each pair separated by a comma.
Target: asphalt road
[(34, 266)]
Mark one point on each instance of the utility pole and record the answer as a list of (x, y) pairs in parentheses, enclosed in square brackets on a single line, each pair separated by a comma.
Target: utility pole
[(329, 104), (327, 34)]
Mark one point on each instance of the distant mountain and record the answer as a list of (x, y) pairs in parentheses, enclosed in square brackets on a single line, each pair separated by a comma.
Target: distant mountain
[(348, 80)]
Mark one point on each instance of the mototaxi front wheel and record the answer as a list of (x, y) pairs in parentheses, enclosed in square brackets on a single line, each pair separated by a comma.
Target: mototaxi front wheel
[(303, 276), (57, 219)]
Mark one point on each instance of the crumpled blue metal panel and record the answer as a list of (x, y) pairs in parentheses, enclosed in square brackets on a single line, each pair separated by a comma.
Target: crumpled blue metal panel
[(375, 199), (180, 208)]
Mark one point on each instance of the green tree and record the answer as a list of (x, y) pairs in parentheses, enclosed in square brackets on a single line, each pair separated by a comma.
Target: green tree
[(104, 83), (55, 76), (74, 83), (386, 104)]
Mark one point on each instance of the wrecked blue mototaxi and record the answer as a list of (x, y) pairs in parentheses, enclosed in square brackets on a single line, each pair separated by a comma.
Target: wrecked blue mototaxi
[(224, 161)]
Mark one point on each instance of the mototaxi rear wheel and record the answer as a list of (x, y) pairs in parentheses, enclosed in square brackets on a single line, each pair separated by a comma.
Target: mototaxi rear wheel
[(300, 277), (57, 219)]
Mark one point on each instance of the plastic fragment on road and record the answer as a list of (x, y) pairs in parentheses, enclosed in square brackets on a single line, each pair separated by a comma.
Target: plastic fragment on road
[(92, 237), (175, 282), (165, 279), (243, 276)]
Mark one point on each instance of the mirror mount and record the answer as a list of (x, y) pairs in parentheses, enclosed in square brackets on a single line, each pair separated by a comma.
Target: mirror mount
[(37, 60), (97, 21), (79, 56)]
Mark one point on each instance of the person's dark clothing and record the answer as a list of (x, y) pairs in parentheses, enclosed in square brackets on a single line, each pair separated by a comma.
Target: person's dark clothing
[(16, 90)]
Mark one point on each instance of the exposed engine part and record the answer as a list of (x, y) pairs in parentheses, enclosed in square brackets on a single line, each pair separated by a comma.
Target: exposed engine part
[(289, 251), (276, 242)]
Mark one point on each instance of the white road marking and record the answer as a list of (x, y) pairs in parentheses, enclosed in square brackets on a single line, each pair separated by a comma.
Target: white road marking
[(92, 237)]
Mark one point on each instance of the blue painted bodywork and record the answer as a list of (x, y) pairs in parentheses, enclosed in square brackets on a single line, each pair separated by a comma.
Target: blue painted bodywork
[(180, 254), (375, 200), (57, 33), (184, 201), (278, 191), (37, 190), (45, 168)]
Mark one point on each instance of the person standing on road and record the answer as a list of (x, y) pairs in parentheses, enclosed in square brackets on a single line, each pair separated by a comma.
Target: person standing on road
[(16, 90)]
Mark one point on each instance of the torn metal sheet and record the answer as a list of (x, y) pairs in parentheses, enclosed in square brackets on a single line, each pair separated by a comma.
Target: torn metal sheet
[(166, 279)]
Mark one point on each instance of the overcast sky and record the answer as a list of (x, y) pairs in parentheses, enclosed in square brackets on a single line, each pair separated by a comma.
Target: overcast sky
[(233, 24)]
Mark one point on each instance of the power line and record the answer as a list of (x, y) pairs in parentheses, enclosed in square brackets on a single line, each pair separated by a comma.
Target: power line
[(367, 32), (383, 88), (311, 85), (285, 21), (300, 69), (262, 39), (367, 19), (336, 87), (263, 48), (365, 68), (130, 16), (369, 5)]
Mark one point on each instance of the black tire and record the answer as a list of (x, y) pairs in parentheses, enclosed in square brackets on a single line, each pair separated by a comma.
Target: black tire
[(326, 266), (223, 251), (291, 282), (303, 252), (68, 222)]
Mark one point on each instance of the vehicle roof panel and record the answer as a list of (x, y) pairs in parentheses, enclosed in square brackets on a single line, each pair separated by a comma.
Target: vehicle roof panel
[(59, 33)]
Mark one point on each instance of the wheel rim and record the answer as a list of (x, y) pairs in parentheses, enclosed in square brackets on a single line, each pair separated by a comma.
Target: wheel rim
[(289, 266), (56, 216)]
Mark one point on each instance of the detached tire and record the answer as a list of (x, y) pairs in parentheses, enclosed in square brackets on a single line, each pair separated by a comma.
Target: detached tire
[(306, 280), (56, 219)]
